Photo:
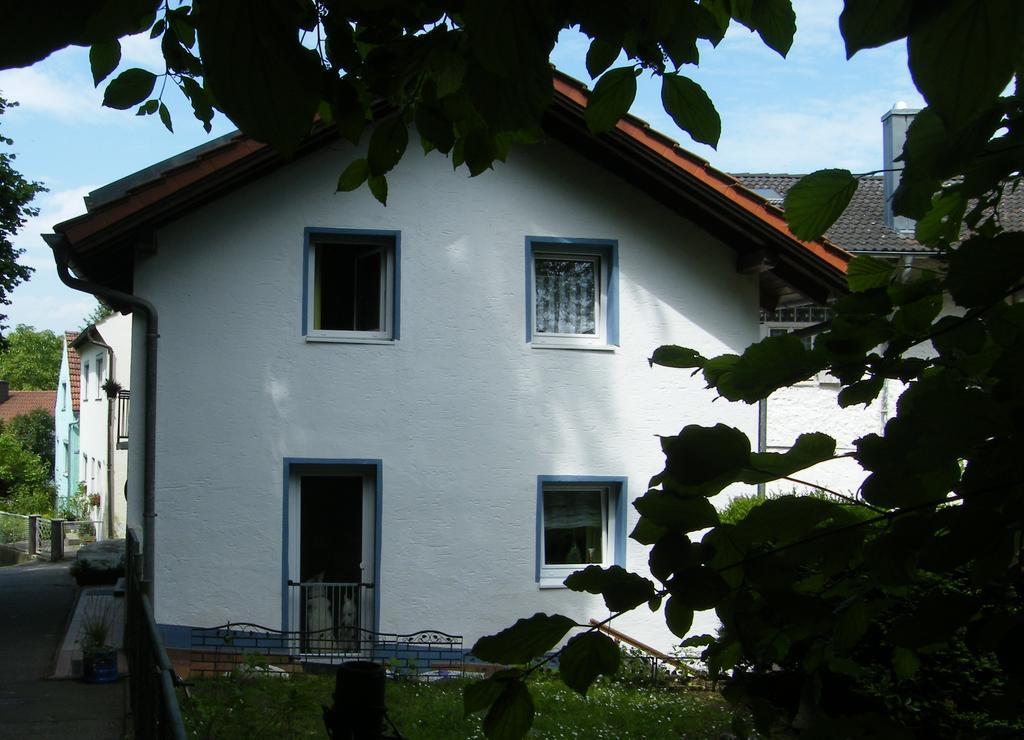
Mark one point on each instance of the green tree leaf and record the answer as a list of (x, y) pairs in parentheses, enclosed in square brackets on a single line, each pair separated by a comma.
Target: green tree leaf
[(863, 391), (817, 200), (773, 20), (104, 58), (129, 88), (670, 355), (766, 366), (691, 108), (676, 512), (354, 175), (703, 460), (983, 270), (948, 65), (252, 55), (387, 145), (165, 117), (865, 272), (809, 449), (586, 657), (678, 617), (611, 99), (479, 695), (905, 662), (646, 532), (621, 589), (378, 185), (525, 640), (511, 714), (698, 588), (601, 55), (866, 24)]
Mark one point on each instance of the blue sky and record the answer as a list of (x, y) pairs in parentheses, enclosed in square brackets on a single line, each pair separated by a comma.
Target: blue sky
[(811, 110)]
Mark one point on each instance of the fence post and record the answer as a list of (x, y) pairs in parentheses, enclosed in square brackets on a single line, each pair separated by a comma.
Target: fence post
[(56, 540), (33, 534)]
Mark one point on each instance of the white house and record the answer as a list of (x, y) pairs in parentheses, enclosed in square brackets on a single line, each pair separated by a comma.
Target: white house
[(65, 416), (445, 403), (104, 351)]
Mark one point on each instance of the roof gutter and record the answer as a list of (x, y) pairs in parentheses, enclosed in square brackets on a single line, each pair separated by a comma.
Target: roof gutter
[(62, 254)]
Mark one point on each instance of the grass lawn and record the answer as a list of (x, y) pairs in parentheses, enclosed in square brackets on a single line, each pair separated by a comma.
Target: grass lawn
[(252, 708)]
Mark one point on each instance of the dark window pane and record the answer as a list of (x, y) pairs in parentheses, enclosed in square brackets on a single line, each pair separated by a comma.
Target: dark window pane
[(572, 527), (348, 285)]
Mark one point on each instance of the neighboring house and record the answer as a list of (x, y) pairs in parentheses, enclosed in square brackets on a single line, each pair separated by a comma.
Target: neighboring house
[(444, 405), (868, 226), (16, 403), (104, 350), (65, 416)]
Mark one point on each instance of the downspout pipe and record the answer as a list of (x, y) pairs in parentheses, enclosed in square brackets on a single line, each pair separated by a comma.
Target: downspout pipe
[(62, 254)]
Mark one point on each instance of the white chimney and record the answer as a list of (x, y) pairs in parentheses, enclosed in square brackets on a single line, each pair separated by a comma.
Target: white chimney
[(894, 133)]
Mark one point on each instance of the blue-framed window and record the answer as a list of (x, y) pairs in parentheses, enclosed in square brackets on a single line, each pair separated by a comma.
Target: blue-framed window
[(351, 285), (572, 292), (581, 521)]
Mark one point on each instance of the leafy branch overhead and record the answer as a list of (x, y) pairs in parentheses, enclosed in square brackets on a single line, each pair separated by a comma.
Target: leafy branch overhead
[(471, 77), (892, 612)]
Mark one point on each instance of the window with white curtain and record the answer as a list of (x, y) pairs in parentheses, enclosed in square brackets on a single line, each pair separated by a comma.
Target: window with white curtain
[(572, 293)]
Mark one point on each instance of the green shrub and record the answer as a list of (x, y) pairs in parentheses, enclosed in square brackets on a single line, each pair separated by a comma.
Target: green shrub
[(25, 487)]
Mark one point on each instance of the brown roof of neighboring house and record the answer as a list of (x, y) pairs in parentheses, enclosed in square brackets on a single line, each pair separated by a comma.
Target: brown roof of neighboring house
[(123, 215), (862, 226), (74, 369), (21, 402)]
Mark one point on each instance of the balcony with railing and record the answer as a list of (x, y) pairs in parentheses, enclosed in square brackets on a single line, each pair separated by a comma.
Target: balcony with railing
[(123, 399)]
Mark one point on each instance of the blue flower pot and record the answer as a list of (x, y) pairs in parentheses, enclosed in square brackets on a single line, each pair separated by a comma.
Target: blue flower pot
[(100, 666)]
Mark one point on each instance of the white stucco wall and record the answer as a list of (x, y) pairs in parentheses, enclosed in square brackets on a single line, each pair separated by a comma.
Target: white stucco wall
[(63, 417), (461, 410), (96, 416)]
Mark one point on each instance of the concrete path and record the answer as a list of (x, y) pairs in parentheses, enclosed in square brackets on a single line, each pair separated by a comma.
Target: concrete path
[(35, 604)]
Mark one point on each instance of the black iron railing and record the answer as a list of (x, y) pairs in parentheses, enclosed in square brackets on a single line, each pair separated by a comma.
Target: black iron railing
[(123, 399), (155, 710), (217, 651)]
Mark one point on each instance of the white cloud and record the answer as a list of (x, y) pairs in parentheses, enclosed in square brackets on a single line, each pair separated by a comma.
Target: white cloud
[(54, 208), (43, 92), (141, 51)]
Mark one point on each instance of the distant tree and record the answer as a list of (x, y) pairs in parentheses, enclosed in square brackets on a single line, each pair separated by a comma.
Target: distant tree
[(34, 432), (99, 312), (31, 360), (25, 487), (15, 195)]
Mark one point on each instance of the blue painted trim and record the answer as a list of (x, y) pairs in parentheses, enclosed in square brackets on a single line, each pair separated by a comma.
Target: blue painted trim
[(177, 636), (309, 235), (619, 483), (378, 496), (607, 248)]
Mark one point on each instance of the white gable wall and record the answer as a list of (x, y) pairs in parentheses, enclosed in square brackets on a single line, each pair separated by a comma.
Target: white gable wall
[(462, 412), (102, 466)]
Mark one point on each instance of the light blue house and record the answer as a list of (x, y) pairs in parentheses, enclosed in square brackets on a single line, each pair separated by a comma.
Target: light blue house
[(65, 415)]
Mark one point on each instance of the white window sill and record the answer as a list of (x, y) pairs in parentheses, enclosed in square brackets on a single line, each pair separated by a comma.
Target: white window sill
[(546, 583), (315, 339), (574, 345)]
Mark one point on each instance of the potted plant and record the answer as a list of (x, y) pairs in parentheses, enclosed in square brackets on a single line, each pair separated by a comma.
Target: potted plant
[(111, 387), (99, 657), (94, 500)]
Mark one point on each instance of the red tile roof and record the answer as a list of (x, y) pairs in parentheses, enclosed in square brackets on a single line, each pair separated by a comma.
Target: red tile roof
[(21, 402), (122, 213), (74, 369)]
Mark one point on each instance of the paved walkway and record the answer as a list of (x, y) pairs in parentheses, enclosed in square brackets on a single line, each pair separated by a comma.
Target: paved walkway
[(35, 604)]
